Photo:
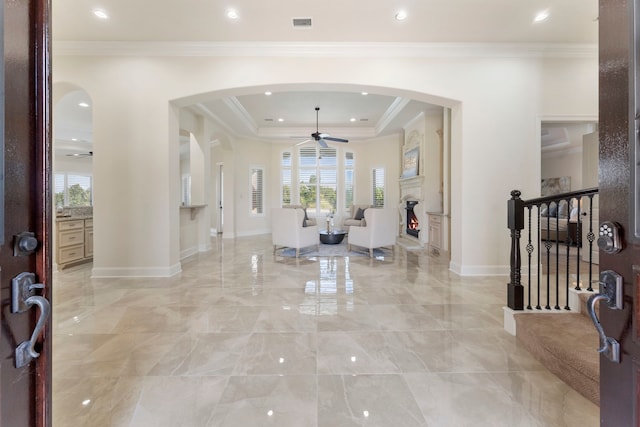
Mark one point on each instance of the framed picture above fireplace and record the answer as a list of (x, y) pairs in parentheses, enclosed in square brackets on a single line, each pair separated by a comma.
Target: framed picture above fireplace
[(410, 162)]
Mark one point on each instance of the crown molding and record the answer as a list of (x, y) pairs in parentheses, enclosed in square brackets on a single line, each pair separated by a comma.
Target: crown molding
[(314, 49)]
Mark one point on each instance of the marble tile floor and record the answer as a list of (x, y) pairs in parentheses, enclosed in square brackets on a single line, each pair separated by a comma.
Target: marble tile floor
[(243, 337)]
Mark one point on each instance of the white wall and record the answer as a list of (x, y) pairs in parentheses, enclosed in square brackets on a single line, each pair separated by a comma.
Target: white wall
[(494, 99)]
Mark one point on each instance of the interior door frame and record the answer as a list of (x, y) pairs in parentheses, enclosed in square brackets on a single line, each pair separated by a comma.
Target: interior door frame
[(220, 198), (44, 173)]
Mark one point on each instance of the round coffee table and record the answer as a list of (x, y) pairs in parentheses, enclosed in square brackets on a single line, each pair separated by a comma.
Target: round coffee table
[(333, 237)]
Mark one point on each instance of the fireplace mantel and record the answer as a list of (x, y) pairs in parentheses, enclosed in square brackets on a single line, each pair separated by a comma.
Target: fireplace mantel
[(411, 181)]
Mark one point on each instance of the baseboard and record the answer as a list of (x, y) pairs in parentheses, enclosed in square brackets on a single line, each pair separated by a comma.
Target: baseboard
[(479, 270), (99, 273), (252, 233), (186, 253)]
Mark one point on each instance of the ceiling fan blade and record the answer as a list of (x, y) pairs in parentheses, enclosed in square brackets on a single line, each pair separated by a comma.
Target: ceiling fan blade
[(322, 143), (303, 142), (328, 138), (89, 154)]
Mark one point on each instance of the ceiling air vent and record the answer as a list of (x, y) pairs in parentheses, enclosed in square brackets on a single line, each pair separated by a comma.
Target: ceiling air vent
[(301, 23)]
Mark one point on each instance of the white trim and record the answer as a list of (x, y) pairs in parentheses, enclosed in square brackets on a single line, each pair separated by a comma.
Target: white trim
[(479, 270), (394, 109), (186, 253), (252, 233), (337, 49), (509, 321), (136, 271)]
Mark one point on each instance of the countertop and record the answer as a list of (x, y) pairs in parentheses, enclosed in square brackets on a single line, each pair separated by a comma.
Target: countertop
[(72, 217)]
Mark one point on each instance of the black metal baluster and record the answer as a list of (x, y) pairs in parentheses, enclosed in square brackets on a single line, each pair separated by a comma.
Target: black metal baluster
[(578, 243), (557, 307), (590, 237), (568, 243), (539, 260), (529, 251), (547, 245)]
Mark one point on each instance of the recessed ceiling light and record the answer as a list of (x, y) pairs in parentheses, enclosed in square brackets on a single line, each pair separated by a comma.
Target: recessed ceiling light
[(352, 119), (232, 14), (99, 13), (74, 139), (267, 93), (83, 105), (365, 93), (281, 119), (401, 15), (541, 16)]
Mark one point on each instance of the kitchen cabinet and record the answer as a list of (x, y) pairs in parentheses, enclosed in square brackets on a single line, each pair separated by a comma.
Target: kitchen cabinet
[(74, 240)]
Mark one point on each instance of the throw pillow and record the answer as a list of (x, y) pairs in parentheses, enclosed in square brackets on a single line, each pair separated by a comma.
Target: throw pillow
[(359, 214), (573, 217), (553, 209), (563, 209)]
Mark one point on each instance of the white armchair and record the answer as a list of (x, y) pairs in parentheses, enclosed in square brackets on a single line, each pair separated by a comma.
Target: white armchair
[(287, 230), (356, 217), (381, 229)]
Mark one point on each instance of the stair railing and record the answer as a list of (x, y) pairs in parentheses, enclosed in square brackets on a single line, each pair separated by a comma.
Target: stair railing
[(548, 235)]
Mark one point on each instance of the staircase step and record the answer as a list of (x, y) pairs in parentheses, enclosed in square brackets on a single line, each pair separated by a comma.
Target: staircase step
[(584, 297), (566, 344)]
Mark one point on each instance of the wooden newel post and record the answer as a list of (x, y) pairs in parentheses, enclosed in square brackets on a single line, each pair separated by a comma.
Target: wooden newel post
[(515, 290)]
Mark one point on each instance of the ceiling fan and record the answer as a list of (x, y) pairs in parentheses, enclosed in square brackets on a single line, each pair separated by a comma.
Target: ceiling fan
[(322, 138), (87, 154)]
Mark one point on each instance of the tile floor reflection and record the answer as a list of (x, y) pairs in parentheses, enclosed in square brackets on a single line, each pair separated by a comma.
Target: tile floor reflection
[(245, 338)]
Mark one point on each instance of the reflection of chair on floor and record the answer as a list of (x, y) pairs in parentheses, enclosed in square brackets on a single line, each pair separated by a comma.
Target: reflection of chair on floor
[(287, 230), (381, 230)]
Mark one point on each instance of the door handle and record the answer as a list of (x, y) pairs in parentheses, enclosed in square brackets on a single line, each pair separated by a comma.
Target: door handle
[(612, 293), (22, 299)]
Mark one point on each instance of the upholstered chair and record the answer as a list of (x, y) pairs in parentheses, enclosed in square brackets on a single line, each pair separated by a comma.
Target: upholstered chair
[(380, 230), (288, 230)]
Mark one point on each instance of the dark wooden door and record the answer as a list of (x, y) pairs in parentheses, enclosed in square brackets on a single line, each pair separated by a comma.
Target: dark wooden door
[(25, 393), (619, 171)]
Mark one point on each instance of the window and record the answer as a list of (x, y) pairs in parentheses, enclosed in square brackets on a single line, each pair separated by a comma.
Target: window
[(348, 181), (378, 187), (318, 177), (308, 174), (73, 190), (285, 179), (257, 185)]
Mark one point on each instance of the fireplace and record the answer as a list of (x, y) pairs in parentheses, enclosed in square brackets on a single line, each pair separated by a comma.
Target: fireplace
[(412, 219)]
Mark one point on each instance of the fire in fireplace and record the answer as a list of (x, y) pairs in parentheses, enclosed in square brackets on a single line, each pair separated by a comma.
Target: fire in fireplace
[(412, 219)]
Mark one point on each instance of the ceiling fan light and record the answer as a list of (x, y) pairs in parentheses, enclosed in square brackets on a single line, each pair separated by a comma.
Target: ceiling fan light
[(541, 16), (101, 14)]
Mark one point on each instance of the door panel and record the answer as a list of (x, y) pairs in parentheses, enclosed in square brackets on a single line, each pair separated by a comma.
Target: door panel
[(25, 393), (618, 384)]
